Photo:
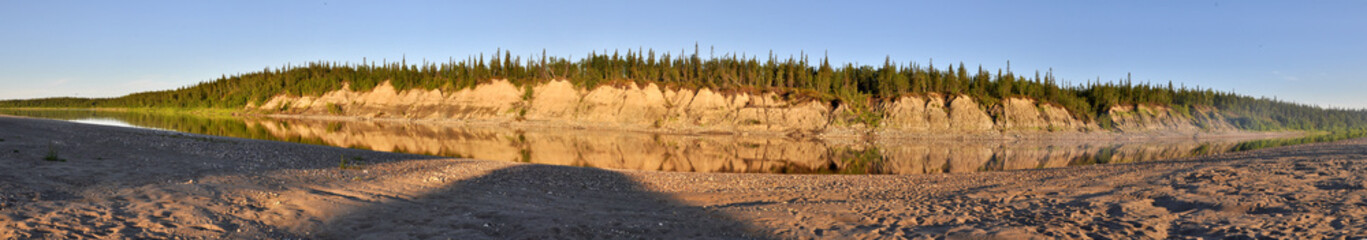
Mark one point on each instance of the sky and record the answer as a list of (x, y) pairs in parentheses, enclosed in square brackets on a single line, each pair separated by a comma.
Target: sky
[(1312, 52)]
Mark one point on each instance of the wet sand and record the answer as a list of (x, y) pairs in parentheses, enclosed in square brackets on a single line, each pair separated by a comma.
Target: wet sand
[(111, 182)]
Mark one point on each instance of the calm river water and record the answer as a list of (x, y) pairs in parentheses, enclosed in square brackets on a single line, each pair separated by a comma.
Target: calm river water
[(663, 152)]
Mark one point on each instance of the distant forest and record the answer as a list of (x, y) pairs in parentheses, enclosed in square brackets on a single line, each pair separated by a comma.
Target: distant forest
[(795, 77)]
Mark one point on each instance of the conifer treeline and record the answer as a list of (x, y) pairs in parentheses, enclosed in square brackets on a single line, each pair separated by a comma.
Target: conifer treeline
[(794, 76)]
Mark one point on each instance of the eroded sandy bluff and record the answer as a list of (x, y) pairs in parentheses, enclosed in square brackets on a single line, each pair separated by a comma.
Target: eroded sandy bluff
[(649, 107)]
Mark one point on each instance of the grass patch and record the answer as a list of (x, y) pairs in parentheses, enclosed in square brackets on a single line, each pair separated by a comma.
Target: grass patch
[(1104, 121), (528, 93), (355, 163), (51, 154), (334, 109)]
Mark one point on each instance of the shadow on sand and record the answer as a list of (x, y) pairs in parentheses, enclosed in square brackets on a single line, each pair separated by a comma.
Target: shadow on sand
[(520, 201), (539, 202)]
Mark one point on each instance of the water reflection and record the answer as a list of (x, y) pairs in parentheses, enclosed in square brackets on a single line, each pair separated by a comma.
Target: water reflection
[(665, 152), (106, 122)]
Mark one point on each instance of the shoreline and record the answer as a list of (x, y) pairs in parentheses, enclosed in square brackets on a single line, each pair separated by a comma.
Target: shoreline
[(834, 134), (132, 183)]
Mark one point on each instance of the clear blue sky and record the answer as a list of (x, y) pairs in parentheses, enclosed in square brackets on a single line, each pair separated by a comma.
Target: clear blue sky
[(1305, 51)]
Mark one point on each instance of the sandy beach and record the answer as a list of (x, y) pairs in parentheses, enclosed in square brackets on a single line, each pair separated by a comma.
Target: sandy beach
[(64, 180)]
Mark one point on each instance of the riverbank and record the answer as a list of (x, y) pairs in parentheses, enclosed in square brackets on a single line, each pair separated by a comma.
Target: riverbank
[(68, 180), (653, 108), (836, 135)]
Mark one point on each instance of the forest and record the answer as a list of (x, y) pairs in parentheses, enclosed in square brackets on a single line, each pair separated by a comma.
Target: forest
[(796, 77)]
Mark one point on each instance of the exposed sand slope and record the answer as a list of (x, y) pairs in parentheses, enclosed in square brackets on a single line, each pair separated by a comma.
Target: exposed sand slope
[(652, 108), (129, 183)]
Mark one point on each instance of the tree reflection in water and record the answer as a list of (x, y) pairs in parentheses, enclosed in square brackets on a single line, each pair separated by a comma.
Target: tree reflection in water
[(686, 153)]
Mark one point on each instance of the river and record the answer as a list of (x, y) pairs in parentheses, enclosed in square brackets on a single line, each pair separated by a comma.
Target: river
[(665, 152)]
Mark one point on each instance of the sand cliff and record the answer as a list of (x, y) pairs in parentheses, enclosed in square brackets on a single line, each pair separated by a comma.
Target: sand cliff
[(659, 109)]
